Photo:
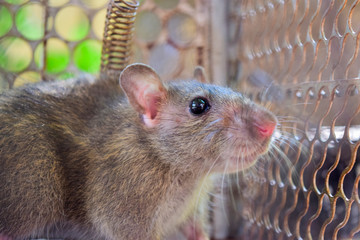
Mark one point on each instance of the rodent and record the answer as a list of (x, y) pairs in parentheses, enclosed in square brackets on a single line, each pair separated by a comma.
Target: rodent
[(79, 160)]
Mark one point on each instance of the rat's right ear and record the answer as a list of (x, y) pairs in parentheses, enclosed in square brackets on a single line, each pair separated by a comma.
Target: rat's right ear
[(200, 75), (144, 89)]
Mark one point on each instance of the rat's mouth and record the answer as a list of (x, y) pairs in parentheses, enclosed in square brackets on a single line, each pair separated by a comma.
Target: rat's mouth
[(244, 160)]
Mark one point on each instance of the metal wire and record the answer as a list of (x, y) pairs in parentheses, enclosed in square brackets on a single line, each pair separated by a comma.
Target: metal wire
[(118, 36), (302, 56)]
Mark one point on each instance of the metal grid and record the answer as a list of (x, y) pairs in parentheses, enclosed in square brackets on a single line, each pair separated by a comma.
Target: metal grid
[(302, 56)]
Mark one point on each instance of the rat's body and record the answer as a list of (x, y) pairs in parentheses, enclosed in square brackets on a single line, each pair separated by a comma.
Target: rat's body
[(78, 161)]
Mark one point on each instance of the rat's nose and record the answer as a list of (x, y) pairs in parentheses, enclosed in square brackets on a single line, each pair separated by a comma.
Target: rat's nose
[(262, 123), (265, 129)]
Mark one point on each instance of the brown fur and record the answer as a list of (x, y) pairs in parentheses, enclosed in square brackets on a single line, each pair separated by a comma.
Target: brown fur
[(77, 162)]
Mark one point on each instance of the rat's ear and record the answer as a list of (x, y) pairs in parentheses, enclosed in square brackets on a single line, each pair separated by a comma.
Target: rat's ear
[(144, 89), (200, 75)]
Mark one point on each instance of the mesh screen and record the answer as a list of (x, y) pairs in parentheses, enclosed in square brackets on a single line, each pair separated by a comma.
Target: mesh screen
[(302, 58)]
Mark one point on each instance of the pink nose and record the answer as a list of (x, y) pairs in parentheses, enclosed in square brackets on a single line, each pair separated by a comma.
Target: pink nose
[(266, 130)]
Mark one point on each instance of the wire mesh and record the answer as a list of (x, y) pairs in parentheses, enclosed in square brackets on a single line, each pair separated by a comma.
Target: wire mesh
[(302, 56)]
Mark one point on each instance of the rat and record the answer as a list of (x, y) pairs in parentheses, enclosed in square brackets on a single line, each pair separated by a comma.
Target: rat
[(88, 159)]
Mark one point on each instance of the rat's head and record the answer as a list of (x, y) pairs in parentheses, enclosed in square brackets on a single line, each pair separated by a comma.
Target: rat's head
[(197, 125)]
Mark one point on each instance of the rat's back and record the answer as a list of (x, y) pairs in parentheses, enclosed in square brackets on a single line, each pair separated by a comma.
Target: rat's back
[(39, 126)]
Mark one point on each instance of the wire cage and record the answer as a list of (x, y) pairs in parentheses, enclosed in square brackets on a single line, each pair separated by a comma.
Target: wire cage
[(300, 58), (304, 56)]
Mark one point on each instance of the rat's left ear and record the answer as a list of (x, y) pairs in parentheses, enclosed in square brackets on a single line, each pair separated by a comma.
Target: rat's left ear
[(144, 89), (200, 75)]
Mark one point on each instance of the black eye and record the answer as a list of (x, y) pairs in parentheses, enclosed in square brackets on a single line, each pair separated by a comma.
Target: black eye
[(199, 106)]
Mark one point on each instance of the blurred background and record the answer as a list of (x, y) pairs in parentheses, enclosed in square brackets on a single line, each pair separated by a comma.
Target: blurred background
[(169, 35)]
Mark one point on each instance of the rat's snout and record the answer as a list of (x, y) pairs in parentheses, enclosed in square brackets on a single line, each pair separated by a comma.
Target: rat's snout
[(264, 124), (265, 129)]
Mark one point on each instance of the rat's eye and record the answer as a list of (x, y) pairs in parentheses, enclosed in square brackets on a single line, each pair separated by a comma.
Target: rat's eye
[(199, 106)]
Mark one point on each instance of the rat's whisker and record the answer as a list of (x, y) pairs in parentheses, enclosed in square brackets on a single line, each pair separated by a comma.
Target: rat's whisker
[(223, 194)]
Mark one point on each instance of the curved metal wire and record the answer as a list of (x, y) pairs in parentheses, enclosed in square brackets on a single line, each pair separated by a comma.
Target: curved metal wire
[(118, 36)]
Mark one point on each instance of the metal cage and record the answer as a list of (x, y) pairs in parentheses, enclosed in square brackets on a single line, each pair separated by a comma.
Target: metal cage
[(304, 57)]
